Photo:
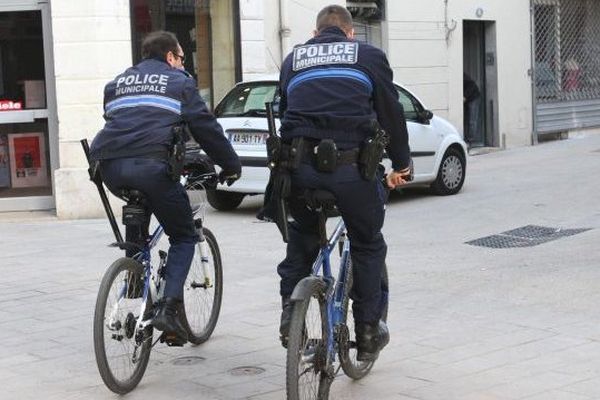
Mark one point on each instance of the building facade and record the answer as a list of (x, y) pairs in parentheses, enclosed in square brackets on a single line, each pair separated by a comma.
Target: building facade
[(535, 64)]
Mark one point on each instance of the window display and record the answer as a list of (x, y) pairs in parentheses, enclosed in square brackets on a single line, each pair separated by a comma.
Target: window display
[(22, 84), (27, 160), (24, 146), (4, 166)]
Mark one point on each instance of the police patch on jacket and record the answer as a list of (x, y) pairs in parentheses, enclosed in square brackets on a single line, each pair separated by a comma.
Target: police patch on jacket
[(136, 83), (318, 54)]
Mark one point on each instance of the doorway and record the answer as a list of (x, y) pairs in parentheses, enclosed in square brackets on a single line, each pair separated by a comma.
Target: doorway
[(28, 125), (208, 32), (480, 84)]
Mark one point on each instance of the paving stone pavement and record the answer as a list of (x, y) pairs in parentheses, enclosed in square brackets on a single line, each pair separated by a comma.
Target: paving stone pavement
[(467, 322)]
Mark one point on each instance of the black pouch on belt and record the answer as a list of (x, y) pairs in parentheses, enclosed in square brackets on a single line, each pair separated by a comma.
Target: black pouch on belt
[(296, 153), (326, 157), (371, 152)]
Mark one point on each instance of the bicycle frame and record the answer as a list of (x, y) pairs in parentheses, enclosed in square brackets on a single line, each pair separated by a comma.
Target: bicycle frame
[(152, 285), (334, 294)]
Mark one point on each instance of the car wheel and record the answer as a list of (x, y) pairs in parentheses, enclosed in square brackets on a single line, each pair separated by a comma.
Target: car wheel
[(451, 175), (224, 201)]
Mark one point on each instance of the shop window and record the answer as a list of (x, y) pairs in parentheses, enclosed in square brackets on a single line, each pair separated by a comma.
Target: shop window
[(202, 28), (367, 16), (24, 146), (24, 159), (21, 61)]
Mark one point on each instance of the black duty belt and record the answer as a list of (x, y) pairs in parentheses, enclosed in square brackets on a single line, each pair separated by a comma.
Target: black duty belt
[(153, 152), (344, 157)]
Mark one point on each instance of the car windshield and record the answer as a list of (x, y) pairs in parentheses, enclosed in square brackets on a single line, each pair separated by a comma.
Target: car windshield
[(248, 100)]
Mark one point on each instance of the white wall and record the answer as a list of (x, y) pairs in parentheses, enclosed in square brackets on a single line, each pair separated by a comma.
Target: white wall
[(432, 68), (92, 44), (262, 49)]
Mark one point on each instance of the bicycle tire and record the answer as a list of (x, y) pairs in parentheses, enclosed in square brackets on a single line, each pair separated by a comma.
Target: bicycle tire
[(116, 384), (302, 343), (201, 327), (353, 368)]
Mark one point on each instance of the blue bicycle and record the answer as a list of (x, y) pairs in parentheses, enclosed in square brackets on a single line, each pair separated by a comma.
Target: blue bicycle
[(321, 325), (132, 286)]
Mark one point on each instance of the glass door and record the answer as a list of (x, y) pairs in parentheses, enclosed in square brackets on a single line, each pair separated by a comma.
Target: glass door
[(27, 128)]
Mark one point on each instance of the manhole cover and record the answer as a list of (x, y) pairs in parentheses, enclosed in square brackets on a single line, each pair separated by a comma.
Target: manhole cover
[(246, 371), (190, 360), (500, 242), (525, 236), (532, 232)]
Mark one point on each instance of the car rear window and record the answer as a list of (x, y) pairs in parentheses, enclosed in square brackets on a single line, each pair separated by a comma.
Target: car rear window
[(247, 101)]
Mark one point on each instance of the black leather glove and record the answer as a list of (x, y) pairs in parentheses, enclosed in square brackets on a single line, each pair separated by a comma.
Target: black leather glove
[(229, 177)]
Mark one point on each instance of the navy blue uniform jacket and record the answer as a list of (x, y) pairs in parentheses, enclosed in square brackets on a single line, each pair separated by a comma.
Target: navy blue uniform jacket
[(142, 105), (332, 87)]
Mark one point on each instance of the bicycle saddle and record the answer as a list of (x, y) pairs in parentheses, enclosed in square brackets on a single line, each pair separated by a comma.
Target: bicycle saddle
[(321, 201), (132, 196)]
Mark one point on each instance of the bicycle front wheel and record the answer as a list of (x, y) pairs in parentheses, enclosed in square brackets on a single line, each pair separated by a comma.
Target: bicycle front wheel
[(203, 290), (121, 357), (347, 350), (306, 375)]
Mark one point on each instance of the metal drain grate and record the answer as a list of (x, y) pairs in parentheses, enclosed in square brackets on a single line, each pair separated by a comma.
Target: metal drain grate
[(190, 360), (532, 232), (246, 371), (525, 236)]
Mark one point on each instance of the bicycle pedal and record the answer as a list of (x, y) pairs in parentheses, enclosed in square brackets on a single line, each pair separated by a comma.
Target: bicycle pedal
[(172, 340)]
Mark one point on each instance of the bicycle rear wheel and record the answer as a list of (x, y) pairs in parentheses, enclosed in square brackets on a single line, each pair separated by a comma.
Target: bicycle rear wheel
[(203, 290), (121, 360), (347, 350), (306, 376)]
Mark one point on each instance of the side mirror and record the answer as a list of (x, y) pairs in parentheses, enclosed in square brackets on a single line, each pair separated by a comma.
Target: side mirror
[(217, 110), (425, 116)]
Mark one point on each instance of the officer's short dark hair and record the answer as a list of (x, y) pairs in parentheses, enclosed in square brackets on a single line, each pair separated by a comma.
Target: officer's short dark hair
[(158, 44), (334, 15)]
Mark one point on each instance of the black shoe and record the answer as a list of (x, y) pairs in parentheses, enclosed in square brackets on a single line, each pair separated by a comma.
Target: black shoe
[(167, 318), (286, 318), (370, 339)]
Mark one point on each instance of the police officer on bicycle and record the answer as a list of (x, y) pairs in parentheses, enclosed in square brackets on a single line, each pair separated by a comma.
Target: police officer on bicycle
[(142, 108), (332, 88)]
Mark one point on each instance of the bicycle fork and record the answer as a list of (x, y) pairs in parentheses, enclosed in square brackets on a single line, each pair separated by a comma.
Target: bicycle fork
[(204, 262)]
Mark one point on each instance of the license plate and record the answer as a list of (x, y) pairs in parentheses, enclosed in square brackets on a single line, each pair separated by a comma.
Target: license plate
[(248, 138)]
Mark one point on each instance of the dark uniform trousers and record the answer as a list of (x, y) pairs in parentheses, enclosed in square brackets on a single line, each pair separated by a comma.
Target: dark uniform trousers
[(361, 205), (168, 201)]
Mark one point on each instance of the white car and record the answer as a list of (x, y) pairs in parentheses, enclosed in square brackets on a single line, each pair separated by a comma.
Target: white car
[(438, 150)]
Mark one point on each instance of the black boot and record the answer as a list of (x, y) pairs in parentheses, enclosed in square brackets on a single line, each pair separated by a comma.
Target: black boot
[(370, 339), (286, 318), (167, 318)]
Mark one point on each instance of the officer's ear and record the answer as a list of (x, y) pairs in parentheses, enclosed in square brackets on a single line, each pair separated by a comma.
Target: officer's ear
[(315, 33), (350, 33), (170, 58)]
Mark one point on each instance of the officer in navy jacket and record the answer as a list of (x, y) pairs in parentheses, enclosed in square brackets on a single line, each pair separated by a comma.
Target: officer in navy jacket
[(141, 107), (332, 87)]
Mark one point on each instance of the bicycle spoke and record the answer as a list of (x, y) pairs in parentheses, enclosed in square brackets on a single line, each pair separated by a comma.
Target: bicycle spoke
[(202, 301), (121, 361)]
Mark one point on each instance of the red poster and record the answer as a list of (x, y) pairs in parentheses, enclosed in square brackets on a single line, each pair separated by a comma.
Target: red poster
[(28, 159), (27, 152)]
